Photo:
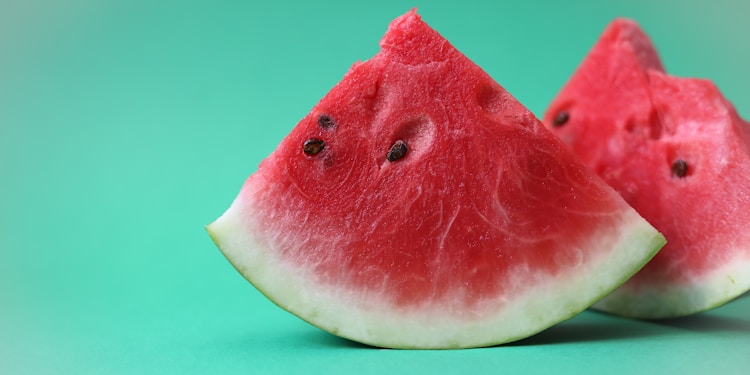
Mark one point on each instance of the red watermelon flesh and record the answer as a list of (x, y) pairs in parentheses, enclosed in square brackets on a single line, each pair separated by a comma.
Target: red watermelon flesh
[(678, 152), (419, 205)]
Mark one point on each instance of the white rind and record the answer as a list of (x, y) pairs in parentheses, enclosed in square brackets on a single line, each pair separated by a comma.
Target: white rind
[(546, 300), (699, 294)]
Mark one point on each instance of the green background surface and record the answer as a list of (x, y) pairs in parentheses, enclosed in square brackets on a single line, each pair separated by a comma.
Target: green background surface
[(126, 126)]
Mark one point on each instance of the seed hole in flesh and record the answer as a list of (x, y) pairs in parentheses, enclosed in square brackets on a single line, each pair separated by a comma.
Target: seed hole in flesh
[(313, 146), (326, 122), (560, 119), (679, 168), (397, 151)]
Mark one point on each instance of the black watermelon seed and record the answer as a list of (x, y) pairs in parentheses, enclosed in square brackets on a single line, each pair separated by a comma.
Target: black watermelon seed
[(679, 168), (313, 146), (560, 119), (326, 122), (397, 151)]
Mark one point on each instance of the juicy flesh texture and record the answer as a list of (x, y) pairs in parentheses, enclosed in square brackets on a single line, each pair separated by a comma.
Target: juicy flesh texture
[(486, 230), (477, 200), (630, 122)]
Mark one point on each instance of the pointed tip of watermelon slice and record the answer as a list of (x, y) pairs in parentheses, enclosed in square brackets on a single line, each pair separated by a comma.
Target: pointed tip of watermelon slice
[(409, 40), (622, 59), (625, 36)]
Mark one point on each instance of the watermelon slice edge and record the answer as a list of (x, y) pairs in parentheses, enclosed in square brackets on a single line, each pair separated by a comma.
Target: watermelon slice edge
[(343, 313), (481, 229), (677, 150)]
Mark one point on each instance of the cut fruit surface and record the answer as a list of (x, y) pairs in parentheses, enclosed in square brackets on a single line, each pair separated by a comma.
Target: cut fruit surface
[(419, 205), (678, 152)]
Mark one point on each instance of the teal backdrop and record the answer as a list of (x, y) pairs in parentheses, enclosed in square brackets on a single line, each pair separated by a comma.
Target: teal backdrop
[(127, 126)]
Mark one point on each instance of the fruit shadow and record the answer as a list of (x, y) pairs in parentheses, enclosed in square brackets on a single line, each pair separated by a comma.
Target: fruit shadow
[(325, 339), (582, 330), (711, 321), (610, 327), (707, 323)]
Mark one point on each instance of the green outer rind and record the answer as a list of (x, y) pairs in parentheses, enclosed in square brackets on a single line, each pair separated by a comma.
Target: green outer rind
[(697, 295), (361, 318)]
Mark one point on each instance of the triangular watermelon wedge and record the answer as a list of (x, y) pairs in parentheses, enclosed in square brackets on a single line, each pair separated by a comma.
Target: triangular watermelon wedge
[(419, 205), (679, 153)]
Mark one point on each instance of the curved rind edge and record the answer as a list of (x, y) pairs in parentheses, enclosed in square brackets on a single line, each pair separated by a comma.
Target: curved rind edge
[(347, 315), (701, 294)]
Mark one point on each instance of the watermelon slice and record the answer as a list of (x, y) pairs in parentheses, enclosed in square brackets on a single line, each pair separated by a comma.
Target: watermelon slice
[(419, 205), (678, 152)]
